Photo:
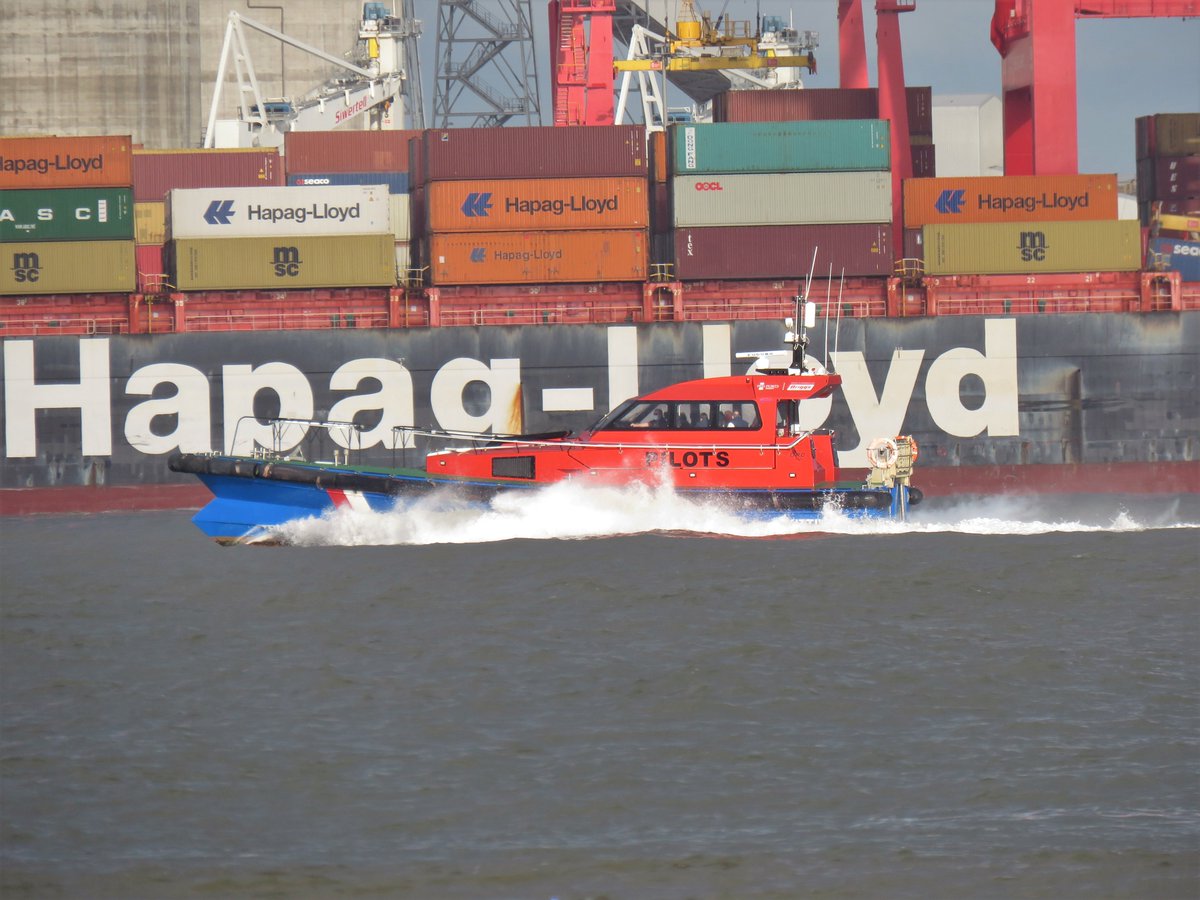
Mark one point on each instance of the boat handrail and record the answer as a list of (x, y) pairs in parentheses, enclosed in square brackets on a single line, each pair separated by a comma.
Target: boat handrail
[(351, 432), (407, 431)]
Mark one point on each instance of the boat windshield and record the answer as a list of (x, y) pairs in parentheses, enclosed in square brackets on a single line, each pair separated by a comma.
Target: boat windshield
[(681, 415)]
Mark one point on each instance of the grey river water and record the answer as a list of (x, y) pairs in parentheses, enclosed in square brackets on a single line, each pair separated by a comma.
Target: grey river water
[(995, 702)]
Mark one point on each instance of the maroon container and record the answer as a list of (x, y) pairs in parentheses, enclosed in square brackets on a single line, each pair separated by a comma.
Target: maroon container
[(924, 161), (782, 251), (1168, 178), (819, 103), (155, 172), (660, 207), (586, 151), (347, 151), (416, 161), (914, 243)]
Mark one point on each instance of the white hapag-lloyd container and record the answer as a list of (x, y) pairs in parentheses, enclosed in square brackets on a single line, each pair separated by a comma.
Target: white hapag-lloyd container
[(809, 198), (337, 210)]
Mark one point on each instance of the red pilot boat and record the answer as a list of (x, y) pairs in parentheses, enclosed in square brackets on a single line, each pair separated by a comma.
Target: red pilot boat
[(736, 440)]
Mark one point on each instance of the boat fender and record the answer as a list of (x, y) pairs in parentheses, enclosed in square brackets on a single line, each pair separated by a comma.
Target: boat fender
[(915, 496), (882, 453)]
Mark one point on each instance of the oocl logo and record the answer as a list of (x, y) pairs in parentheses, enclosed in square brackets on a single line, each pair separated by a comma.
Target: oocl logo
[(709, 186)]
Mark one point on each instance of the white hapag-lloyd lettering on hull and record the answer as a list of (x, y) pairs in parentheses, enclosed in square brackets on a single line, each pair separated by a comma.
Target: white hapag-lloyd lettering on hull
[(188, 408)]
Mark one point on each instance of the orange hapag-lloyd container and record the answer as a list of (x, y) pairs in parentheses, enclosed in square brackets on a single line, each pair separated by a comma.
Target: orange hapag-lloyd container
[(523, 257), (1010, 198), (59, 162), (551, 204)]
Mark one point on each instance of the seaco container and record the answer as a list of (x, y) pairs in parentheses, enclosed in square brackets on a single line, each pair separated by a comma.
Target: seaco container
[(278, 211), (554, 204), (595, 151), (747, 147), (60, 162), (150, 223), (157, 172), (1175, 254), (68, 214), (1012, 198), (796, 199), (283, 262), (783, 251), (523, 257), (395, 182), (347, 151), (1026, 248), (820, 103), (67, 267)]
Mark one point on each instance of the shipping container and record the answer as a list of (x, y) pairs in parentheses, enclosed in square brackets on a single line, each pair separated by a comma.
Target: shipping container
[(401, 216), (514, 257), (1012, 198), (924, 160), (67, 214), (151, 273), (395, 182), (61, 162), (755, 147), (150, 223), (552, 204), (1148, 209), (157, 172), (585, 151), (1168, 134), (281, 263), (798, 199), (67, 267), (782, 251), (403, 259), (347, 151), (820, 103), (1168, 178), (1175, 254), (1027, 248), (278, 211), (660, 162)]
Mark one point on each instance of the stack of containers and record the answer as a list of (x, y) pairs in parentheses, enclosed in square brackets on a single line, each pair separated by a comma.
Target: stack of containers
[(66, 215), (1168, 180), (329, 158), (506, 206), (280, 238), (1021, 224), (753, 200)]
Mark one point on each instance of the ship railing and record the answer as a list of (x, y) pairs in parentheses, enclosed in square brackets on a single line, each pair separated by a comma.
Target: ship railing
[(286, 320), (301, 439), (42, 326), (479, 441)]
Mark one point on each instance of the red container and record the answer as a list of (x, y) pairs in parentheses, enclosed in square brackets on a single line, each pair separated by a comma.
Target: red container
[(347, 151), (1168, 178), (586, 151), (782, 251), (660, 207), (819, 103), (155, 172), (150, 270)]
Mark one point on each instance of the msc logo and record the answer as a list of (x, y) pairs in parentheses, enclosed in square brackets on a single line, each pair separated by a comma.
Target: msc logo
[(1033, 246), (477, 204), (219, 212), (709, 186), (950, 201), (26, 267), (287, 262), (478, 255)]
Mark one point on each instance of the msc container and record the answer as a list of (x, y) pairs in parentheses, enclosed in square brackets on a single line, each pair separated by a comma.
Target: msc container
[(157, 172), (283, 262), (347, 151), (819, 103), (512, 257), (400, 210), (60, 162), (67, 267), (749, 147), (68, 214), (150, 223), (796, 199), (277, 211), (1168, 134), (395, 182), (1175, 254), (782, 251), (554, 204), (586, 151), (1022, 248), (1011, 198)]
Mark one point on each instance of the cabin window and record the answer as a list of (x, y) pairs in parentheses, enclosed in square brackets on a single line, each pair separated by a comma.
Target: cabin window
[(684, 415), (513, 467)]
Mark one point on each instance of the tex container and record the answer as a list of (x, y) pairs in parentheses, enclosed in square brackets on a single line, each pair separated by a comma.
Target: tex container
[(552, 204), (753, 147), (157, 172), (282, 263), (395, 182), (1027, 248), (278, 211), (347, 151), (820, 103), (806, 198), (67, 214), (150, 223), (534, 257), (1175, 254), (1168, 134), (585, 151), (68, 267), (1010, 198), (61, 162), (782, 251)]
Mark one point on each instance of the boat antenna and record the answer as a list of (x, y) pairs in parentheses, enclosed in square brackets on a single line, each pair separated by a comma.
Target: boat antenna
[(800, 335), (838, 327), (828, 288)]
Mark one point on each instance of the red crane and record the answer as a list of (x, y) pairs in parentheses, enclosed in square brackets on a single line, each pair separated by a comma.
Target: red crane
[(581, 38)]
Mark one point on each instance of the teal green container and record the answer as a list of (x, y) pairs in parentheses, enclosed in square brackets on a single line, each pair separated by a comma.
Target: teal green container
[(69, 214), (833, 145)]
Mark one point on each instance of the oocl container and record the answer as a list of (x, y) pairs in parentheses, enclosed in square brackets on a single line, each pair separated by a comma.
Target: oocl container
[(797, 199), (594, 151), (783, 251), (556, 204), (1021, 248), (68, 267), (1012, 198), (59, 162), (347, 151), (523, 257), (746, 147), (283, 262), (277, 211), (396, 182), (69, 214), (156, 172)]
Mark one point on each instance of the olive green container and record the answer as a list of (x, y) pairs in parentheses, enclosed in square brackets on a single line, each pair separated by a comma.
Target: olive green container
[(1020, 248), (69, 214), (214, 264), (67, 267)]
